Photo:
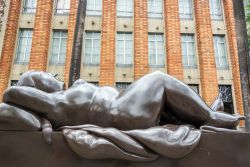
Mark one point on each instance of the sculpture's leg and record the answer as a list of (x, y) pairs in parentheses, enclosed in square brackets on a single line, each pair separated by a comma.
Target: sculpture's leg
[(159, 92)]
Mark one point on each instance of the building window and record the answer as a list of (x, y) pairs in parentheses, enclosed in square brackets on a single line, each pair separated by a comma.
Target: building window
[(24, 46), (156, 49), (216, 10), (185, 9), (195, 87), (29, 6), (125, 8), (124, 48), (94, 7), (227, 98), (92, 48), (13, 82), (94, 83), (188, 50), (155, 8), (58, 47), (122, 85), (62, 7), (220, 51)]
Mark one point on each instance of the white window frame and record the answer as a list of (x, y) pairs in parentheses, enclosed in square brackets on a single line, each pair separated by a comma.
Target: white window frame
[(61, 37), (186, 16), (187, 50), (29, 8), (216, 16), (27, 38), (64, 10), (92, 47), (94, 11), (124, 12), (217, 52), (156, 49), (124, 48), (155, 13)]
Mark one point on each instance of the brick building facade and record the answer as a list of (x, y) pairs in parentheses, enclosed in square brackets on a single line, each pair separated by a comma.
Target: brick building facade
[(194, 41)]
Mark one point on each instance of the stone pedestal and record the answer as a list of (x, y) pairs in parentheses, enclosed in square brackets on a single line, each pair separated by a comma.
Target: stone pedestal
[(29, 149)]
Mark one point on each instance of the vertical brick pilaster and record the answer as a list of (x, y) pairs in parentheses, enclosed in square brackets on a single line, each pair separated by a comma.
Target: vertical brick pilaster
[(9, 44), (71, 31), (233, 51), (173, 41), (107, 65), (41, 35), (208, 73), (140, 38)]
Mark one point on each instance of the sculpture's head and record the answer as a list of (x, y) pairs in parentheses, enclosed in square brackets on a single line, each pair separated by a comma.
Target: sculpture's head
[(42, 81)]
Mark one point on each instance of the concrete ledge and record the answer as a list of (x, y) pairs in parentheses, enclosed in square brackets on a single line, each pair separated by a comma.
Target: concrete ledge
[(29, 149)]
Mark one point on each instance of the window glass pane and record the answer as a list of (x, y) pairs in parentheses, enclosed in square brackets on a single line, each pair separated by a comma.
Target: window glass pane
[(220, 51), (216, 9), (29, 6), (94, 7), (155, 8), (63, 7), (59, 46), (188, 50), (185, 9), (24, 46), (156, 49), (92, 48), (227, 98), (124, 48), (125, 8)]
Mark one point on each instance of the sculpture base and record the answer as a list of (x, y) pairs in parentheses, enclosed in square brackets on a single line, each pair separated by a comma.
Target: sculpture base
[(29, 149)]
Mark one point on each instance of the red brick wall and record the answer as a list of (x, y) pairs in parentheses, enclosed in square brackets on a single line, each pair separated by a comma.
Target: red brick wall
[(208, 74), (107, 64), (233, 51), (71, 30), (9, 45), (140, 38), (41, 35), (173, 41)]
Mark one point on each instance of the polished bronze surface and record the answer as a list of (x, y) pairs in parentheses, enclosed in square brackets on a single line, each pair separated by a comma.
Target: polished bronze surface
[(103, 123)]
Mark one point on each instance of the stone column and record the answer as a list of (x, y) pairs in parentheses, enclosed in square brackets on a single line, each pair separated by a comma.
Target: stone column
[(140, 38), (108, 44), (41, 35), (208, 73), (9, 45), (173, 40)]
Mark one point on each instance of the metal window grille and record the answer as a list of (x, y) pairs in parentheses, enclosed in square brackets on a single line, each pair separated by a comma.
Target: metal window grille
[(195, 87), (13, 82), (227, 98), (122, 85)]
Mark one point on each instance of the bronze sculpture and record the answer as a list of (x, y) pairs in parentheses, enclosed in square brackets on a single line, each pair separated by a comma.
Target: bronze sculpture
[(136, 113)]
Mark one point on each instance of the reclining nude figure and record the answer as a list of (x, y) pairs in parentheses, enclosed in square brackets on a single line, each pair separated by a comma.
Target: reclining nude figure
[(140, 106), (101, 123)]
